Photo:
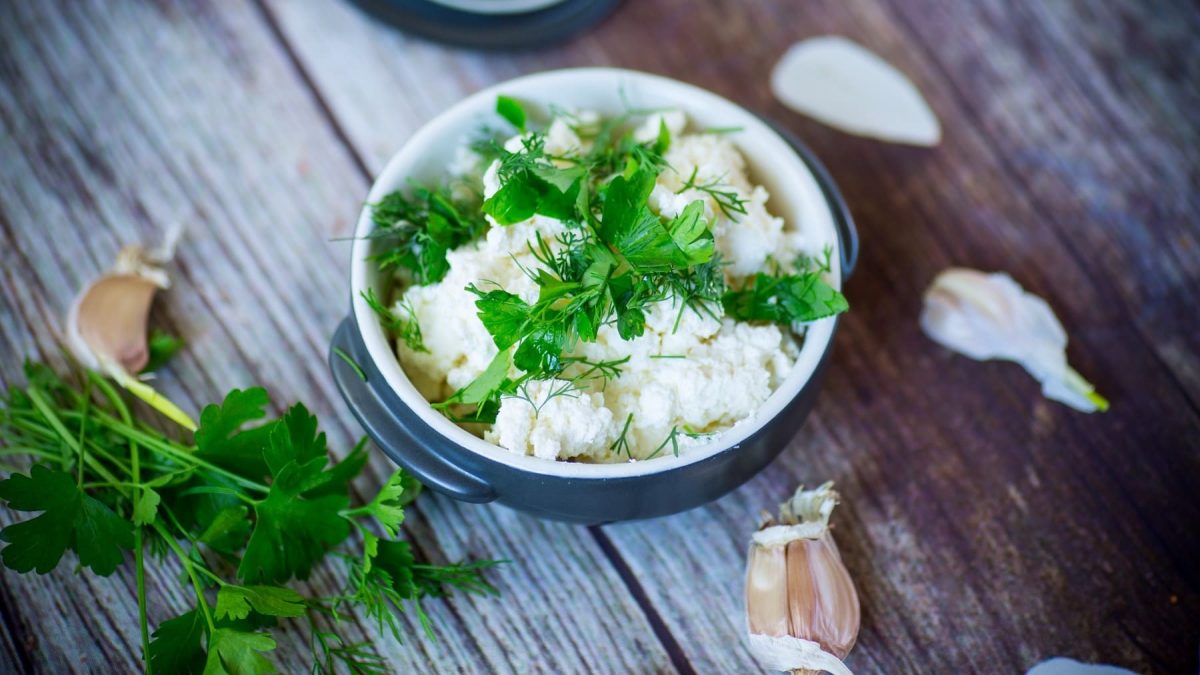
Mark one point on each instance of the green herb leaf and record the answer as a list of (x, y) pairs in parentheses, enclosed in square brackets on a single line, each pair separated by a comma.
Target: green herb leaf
[(69, 519), (485, 387), (511, 110), (162, 346), (416, 231), (541, 351), (515, 201), (388, 505), (145, 508), (218, 439), (663, 141), (406, 328), (236, 601), (291, 531), (294, 438), (785, 299), (503, 314), (638, 234), (227, 528), (177, 646), (234, 652)]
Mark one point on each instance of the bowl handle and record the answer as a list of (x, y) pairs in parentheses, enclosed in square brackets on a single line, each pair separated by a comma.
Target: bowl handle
[(847, 232), (393, 427)]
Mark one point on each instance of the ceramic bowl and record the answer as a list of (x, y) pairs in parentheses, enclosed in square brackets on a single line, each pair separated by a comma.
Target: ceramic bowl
[(450, 460)]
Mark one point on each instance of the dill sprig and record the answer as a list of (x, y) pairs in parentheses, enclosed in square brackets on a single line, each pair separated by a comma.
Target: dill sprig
[(622, 443), (403, 327), (728, 200)]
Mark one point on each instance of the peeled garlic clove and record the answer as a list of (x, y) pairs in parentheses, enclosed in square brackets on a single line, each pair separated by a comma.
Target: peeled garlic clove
[(842, 84), (802, 611), (106, 326), (989, 316)]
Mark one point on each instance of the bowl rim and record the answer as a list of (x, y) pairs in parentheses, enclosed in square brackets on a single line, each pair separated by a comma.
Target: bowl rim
[(449, 123)]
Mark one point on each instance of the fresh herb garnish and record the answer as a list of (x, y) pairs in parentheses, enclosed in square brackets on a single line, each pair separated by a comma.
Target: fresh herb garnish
[(622, 443), (728, 200), (247, 507), (615, 259), (511, 110), (404, 327), (162, 347), (418, 229), (784, 299)]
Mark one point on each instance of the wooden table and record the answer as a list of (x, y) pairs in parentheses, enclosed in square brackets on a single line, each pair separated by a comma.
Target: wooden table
[(986, 527)]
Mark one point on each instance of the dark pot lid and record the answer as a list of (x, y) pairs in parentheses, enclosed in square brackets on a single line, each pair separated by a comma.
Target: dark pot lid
[(492, 24)]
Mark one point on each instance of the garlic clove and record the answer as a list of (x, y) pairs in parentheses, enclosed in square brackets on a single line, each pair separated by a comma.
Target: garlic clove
[(109, 320), (106, 325), (989, 316), (823, 605), (767, 590), (842, 84), (804, 617)]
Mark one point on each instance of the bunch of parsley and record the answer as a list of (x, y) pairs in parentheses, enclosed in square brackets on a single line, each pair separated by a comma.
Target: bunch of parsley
[(616, 257), (244, 509)]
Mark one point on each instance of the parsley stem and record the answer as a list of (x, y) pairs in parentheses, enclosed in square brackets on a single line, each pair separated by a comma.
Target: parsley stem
[(29, 450), (167, 448), (139, 555), (87, 403), (188, 567), (39, 401)]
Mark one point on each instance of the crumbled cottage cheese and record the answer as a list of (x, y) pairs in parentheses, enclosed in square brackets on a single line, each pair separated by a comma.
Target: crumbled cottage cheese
[(716, 373)]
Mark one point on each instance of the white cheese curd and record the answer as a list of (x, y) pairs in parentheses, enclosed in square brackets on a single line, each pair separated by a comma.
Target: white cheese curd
[(689, 376)]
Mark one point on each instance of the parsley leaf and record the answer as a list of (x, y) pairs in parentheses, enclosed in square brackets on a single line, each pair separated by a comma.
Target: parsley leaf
[(236, 601), (177, 646), (294, 438), (638, 234), (162, 346), (69, 519), (504, 315), (784, 299), (511, 110), (388, 505), (218, 439), (234, 652), (291, 534)]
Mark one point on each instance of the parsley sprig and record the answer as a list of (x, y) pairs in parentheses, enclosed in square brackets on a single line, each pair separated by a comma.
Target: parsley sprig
[(245, 508)]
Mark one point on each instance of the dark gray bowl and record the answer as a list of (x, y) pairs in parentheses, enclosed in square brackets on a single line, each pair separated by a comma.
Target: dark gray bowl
[(452, 462)]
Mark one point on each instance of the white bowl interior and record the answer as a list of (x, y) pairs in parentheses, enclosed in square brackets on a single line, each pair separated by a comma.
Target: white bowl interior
[(795, 196)]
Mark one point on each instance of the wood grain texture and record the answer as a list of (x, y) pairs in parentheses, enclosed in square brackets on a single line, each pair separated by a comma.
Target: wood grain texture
[(120, 119), (986, 528)]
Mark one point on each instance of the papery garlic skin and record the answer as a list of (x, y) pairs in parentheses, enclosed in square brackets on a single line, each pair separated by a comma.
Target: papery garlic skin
[(785, 652), (989, 316), (802, 610)]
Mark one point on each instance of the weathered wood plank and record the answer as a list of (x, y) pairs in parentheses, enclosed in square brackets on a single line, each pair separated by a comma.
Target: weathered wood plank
[(121, 119), (987, 529)]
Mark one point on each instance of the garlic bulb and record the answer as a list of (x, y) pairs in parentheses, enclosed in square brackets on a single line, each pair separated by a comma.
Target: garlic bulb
[(842, 84), (989, 316), (106, 326), (802, 611)]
